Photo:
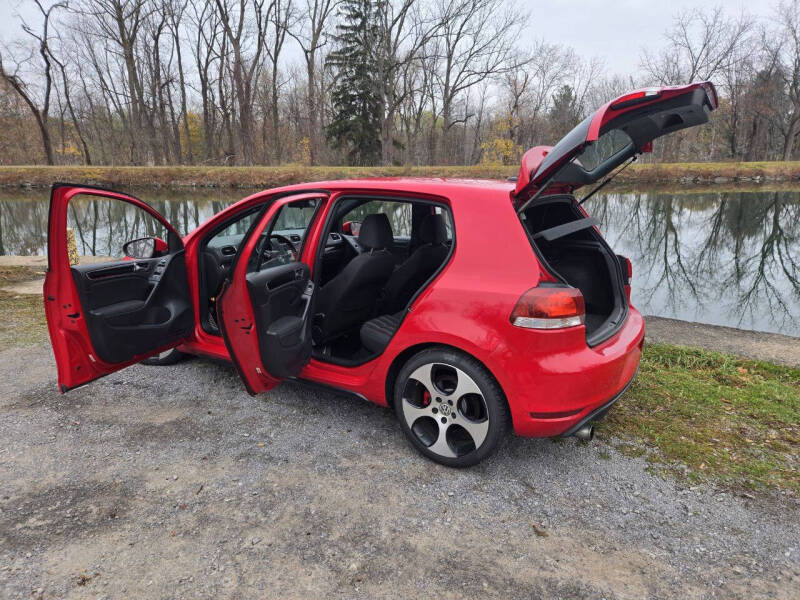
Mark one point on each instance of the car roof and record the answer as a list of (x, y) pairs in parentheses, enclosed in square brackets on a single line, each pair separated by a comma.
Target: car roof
[(443, 186), (458, 192)]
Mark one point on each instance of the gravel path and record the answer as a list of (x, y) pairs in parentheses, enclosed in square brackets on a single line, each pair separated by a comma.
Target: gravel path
[(172, 482)]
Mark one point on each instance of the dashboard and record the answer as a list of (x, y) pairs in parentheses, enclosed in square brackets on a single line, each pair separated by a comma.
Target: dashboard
[(218, 254)]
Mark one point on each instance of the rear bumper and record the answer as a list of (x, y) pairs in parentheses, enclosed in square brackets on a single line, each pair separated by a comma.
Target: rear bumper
[(599, 412), (564, 384)]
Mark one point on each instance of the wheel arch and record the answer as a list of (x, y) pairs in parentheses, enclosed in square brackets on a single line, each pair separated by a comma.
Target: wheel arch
[(408, 353)]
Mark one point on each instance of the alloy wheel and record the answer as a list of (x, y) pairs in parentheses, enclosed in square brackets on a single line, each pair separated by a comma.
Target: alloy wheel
[(445, 409)]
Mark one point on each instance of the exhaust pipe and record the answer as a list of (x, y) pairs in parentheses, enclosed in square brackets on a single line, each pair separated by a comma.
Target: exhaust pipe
[(585, 433)]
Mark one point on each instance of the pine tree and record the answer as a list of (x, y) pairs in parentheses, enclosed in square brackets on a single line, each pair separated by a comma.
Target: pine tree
[(356, 99)]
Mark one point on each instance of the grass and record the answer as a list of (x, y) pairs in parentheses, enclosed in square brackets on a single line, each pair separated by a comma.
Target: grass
[(15, 274), (23, 322), (713, 417), (268, 177)]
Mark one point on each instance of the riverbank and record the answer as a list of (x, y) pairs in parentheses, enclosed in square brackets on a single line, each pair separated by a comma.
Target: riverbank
[(261, 177)]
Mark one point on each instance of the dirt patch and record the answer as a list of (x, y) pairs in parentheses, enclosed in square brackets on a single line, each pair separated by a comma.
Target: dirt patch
[(772, 347), (62, 512)]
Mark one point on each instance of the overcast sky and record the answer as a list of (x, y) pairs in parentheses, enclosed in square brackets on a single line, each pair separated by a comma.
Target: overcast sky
[(615, 31)]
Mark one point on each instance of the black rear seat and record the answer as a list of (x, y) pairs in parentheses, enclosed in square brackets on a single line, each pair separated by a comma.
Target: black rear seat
[(376, 333)]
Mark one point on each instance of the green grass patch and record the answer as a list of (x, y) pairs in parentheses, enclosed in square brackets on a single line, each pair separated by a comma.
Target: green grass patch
[(725, 419), (23, 322)]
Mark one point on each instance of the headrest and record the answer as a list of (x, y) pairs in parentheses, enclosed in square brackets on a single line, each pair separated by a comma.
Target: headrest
[(432, 230), (375, 232)]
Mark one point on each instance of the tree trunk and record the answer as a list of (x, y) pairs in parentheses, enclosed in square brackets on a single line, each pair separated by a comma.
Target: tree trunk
[(184, 111), (794, 129), (313, 122)]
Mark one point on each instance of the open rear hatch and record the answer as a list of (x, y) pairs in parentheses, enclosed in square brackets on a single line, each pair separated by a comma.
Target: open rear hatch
[(564, 236), (615, 133)]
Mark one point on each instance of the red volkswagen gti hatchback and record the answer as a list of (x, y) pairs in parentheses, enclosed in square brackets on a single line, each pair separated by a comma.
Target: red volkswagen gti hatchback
[(466, 306)]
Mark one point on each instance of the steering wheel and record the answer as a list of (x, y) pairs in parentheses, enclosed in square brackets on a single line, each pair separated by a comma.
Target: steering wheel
[(283, 239), (264, 245)]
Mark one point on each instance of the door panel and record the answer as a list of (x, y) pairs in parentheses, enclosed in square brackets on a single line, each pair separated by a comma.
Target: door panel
[(264, 312), (104, 316), (281, 299), (133, 306)]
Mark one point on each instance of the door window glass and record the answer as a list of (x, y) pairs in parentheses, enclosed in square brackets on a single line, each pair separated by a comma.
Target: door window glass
[(284, 237), (607, 146), (399, 214), (233, 233), (99, 227), (448, 225)]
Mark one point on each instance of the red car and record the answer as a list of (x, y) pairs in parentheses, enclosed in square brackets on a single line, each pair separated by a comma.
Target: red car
[(467, 306)]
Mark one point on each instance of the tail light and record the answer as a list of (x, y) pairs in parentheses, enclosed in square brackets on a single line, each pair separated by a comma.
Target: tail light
[(627, 274), (627, 267), (636, 98), (549, 308)]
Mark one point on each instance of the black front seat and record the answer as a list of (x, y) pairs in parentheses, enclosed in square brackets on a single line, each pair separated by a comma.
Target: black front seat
[(418, 267), (348, 300)]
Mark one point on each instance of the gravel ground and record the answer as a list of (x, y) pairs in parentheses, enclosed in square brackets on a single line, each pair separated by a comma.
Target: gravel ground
[(172, 482)]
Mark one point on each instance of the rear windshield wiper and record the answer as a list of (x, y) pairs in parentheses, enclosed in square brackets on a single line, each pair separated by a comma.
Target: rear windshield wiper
[(608, 179)]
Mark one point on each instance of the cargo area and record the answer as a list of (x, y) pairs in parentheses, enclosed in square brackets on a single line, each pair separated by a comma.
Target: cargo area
[(576, 253)]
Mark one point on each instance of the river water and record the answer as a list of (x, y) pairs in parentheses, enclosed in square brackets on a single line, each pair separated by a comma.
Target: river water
[(719, 257)]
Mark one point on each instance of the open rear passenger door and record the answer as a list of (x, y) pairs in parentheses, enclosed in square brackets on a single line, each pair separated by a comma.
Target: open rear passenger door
[(264, 309), (105, 315)]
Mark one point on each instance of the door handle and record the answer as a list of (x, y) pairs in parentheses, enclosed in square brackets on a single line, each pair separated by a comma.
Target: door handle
[(139, 267), (298, 274)]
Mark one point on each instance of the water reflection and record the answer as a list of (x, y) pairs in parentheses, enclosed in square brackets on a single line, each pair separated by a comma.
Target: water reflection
[(727, 258), (100, 226)]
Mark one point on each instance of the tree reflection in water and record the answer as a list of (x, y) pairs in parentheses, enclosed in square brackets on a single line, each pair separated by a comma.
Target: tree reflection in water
[(728, 258)]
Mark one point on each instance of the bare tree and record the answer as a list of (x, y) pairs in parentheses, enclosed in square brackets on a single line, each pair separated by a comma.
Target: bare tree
[(700, 44), (87, 158), (404, 32), (281, 21), (40, 108), (175, 11), (786, 44), (311, 37), (245, 58), (179, 81), (476, 40)]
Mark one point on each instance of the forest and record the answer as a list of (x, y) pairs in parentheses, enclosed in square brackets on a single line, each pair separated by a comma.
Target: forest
[(364, 82)]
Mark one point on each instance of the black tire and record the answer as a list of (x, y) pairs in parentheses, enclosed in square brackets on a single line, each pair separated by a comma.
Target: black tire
[(452, 408), (168, 357)]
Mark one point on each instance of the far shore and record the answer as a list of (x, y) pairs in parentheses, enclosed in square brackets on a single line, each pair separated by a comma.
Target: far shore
[(262, 177)]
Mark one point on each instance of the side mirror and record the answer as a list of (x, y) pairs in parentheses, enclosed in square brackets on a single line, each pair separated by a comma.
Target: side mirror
[(141, 248), (351, 227)]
